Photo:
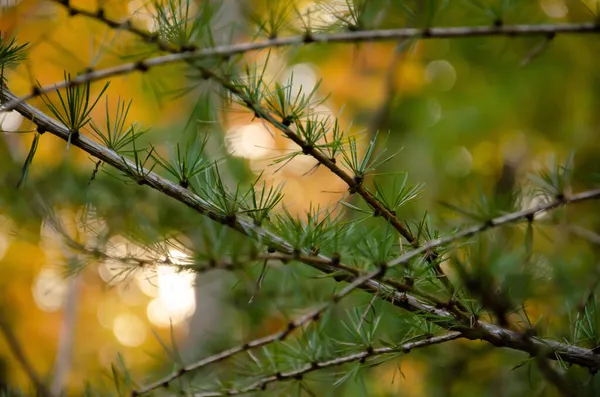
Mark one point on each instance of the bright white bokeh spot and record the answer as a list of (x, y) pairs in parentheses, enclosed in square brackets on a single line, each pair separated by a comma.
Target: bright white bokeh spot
[(440, 74), (49, 289), (554, 8), (176, 300), (163, 317), (250, 141), (459, 162), (10, 121), (302, 78), (171, 286), (129, 330)]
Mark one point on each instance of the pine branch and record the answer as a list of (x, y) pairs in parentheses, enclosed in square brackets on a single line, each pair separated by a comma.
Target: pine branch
[(299, 373), (186, 53), (444, 317), (351, 37), (281, 335)]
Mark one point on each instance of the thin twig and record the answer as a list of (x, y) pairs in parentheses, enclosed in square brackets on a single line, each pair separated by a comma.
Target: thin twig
[(538, 49), (15, 347)]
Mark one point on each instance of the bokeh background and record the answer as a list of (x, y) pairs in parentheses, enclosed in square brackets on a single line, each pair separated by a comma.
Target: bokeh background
[(466, 116)]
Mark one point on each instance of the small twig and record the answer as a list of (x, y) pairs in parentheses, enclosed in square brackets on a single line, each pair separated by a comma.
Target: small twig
[(259, 281), (537, 50), (15, 347), (366, 312)]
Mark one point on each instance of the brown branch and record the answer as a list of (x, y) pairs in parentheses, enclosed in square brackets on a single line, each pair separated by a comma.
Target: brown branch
[(17, 350)]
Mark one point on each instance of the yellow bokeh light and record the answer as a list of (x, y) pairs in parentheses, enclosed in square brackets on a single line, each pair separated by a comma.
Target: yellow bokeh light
[(129, 330), (146, 282)]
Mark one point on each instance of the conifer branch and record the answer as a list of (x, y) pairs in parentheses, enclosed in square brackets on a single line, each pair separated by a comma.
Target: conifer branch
[(443, 316), (191, 52), (352, 37), (363, 356)]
